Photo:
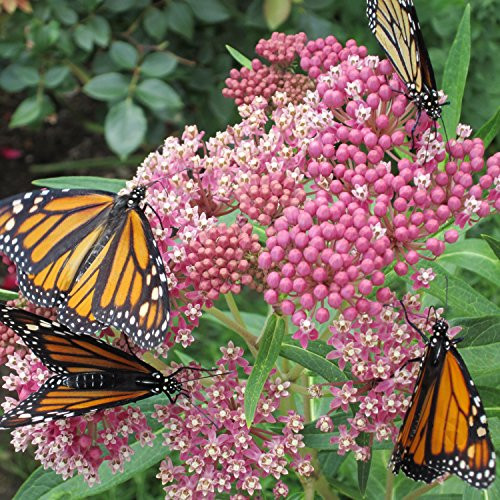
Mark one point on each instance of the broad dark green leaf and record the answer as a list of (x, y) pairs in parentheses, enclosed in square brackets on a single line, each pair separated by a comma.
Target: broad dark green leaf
[(209, 11), (84, 37), (47, 485), (10, 81), (475, 255), (155, 23), (158, 64), (493, 243), (82, 182), (119, 5), (239, 57), (107, 87), (156, 94), (180, 19), (482, 330), (455, 72), (65, 14), (125, 127), (27, 74), (490, 129), (101, 30), (462, 298), (276, 12), (269, 348), (124, 54), (55, 76), (8, 294), (314, 359), (483, 362)]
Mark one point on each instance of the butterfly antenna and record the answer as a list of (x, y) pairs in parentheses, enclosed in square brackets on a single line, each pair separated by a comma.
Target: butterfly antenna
[(198, 409)]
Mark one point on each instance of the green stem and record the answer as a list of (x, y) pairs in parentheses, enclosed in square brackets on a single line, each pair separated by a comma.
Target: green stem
[(234, 308), (295, 373), (299, 389), (324, 489), (242, 332), (79, 72)]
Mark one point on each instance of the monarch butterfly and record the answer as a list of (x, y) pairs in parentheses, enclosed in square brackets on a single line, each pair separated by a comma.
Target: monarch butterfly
[(92, 254), (445, 429), (89, 373), (395, 25)]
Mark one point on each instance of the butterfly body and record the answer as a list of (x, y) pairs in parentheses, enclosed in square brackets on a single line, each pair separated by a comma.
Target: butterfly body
[(445, 429), (92, 255), (395, 25)]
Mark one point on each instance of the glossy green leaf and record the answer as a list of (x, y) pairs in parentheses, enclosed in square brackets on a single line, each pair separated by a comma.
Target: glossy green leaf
[(482, 330), (490, 129), (455, 72), (462, 298), (155, 23), (314, 359), (180, 19), (493, 243), (476, 256), (276, 12), (84, 37), (47, 485), (101, 30), (55, 76), (209, 11), (82, 182), (124, 54), (156, 94), (239, 57), (8, 294), (269, 349), (158, 64), (107, 87), (125, 127)]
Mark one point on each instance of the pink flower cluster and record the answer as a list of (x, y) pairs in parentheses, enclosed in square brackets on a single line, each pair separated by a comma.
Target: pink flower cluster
[(77, 444), (230, 458)]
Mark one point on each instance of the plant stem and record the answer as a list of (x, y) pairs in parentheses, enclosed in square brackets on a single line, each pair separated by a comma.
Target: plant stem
[(295, 373), (389, 484), (234, 308), (324, 489)]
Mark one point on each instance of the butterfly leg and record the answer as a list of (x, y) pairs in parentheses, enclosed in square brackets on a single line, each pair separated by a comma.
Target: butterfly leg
[(413, 325)]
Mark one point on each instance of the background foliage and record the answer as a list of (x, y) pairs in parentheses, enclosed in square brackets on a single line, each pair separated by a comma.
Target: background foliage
[(135, 71)]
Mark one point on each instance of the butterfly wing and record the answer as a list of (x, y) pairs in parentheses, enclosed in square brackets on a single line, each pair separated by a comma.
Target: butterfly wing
[(56, 400), (445, 428), (124, 286), (48, 235)]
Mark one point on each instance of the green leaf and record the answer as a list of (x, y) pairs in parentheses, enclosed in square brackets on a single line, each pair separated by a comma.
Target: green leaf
[(269, 348), (455, 73), (47, 485), (276, 12), (314, 359), (490, 129), (84, 37), (239, 57), (364, 467), (156, 94), (55, 76), (82, 182), (476, 256), (27, 112), (119, 5), (125, 127), (124, 55), (107, 87), (158, 64), (478, 331), (209, 11), (180, 19), (100, 29), (10, 80), (155, 23), (462, 298), (8, 294), (65, 14), (493, 243), (26, 74)]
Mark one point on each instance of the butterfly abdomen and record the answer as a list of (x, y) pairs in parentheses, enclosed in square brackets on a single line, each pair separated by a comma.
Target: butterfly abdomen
[(117, 381)]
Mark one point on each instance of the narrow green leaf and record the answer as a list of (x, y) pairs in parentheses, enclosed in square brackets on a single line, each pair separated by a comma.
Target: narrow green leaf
[(107, 87), (125, 127), (455, 73), (269, 348), (364, 467), (276, 12), (462, 298), (27, 112), (490, 129), (158, 64), (82, 182), (124, 54), (493, 243), (314, 361), (47, 485), (8, 294), (239, 57), (156, 94), (474, 255)]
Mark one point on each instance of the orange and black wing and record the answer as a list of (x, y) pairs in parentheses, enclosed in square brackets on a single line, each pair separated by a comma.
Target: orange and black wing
[(48, 234), (125, 286), (445, 428), (65, 352), (55, 400)]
